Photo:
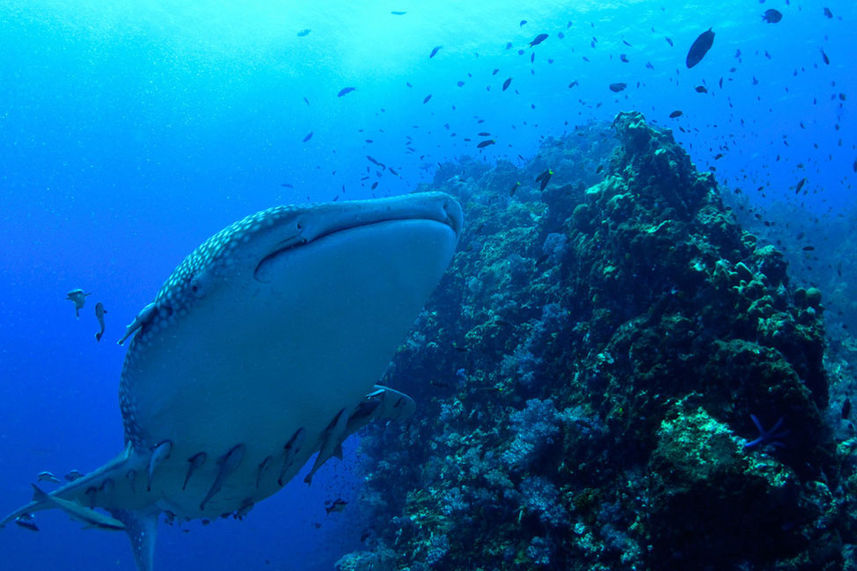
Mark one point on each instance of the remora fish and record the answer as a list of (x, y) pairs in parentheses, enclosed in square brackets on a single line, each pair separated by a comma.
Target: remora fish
[(255, 352)]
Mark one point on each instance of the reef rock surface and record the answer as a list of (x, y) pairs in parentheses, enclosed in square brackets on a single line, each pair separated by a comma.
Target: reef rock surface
[(612, 375)]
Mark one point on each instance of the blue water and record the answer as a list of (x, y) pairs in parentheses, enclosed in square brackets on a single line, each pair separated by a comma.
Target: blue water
[(130, 132)]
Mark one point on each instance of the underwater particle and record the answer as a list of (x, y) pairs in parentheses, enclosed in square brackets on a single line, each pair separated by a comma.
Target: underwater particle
[(617, 87), (345, 91), (486, 143), (304, 32), (701, 89), (772, 16), (538, 39), (427, 98), (699, 48), (434, 51), (824, 56), (544, 178), (506, 84), (675, 114), (308, 137)]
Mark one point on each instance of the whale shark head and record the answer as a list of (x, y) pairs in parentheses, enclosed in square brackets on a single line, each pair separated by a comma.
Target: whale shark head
[(261, 349)]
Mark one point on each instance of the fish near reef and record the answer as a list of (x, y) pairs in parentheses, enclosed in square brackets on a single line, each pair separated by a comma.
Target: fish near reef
[(699, 48), (772, 16), (284, 282)]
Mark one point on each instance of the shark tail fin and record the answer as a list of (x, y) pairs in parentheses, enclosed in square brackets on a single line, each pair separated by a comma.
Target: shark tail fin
[(142, 530)]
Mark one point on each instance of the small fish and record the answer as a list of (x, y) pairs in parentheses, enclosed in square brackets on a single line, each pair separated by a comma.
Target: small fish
[(345, 91), (827, 12), (27, 521), (434, 51), (485, 143), (701, 89), (675, 114), (669, 41), (617, 87), (306, 100), (521, 25), (800, 184), (287, 185), (624, 58), (99, 315), (574, 83), (699, 48), (88, 516), (48, 477), (506, 84), (78, 297), (308, 137), (427, 98), (538, 39), (398, 13), (808, 248), (336, 505), (459, 83), (824, 57), (544, 178), (772, 16), (73, 475), (374, 185), (484, 134), (304, 32), (846, 408), (514, 188)]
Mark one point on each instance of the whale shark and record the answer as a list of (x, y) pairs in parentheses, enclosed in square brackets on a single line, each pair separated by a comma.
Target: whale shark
[(261, 349)]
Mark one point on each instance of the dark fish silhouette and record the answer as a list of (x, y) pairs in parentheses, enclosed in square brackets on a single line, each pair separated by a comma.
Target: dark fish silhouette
[(538, 39), (824, 57), (772, 16), (427, 98), (699, 48), (485, 143), (617, 87), (345, 91), (675, 114), (701, 89), (308, 137), (99, 315), (827, 12), (544, 178), (506, 84), (434, 51)]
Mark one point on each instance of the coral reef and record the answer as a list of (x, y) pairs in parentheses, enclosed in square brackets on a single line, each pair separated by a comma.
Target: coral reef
[(590, 373)]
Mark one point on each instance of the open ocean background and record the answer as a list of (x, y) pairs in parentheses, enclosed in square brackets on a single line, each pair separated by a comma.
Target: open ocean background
[(132, 131)]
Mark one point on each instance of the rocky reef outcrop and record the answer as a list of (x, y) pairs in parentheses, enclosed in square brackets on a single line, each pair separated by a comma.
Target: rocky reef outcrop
[(612, 375)]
